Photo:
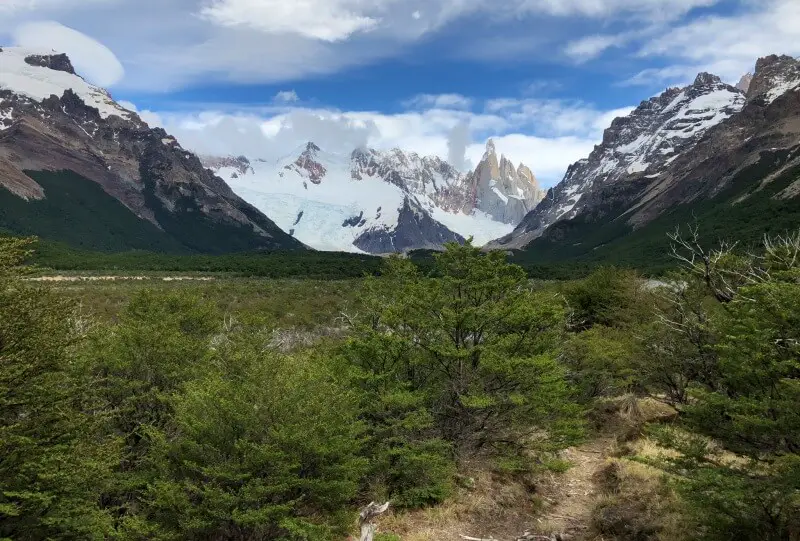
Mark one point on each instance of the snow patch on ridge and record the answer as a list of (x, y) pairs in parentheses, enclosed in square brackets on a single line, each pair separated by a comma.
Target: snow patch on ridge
[(39, 83)]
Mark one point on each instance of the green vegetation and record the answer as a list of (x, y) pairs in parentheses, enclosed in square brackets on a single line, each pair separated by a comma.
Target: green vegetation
[(78, 213), (279, 264), (242, 408), (744, 210)]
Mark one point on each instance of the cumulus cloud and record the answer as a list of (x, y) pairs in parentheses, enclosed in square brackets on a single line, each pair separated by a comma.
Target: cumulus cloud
[(93, 60), (326, 20)]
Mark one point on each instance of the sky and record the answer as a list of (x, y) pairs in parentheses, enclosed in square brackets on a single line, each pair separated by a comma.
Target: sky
[(543, 78)]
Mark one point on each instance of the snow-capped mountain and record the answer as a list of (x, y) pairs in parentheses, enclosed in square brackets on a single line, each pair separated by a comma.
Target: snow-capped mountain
[(641, 144), (97, 156), (382, 201), (689, 150)]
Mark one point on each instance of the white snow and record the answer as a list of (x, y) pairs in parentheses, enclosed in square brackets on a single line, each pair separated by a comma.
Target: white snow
[(479, 225), (38, 83), (283, 190), (780, 87), (500, 194), (282, 194)]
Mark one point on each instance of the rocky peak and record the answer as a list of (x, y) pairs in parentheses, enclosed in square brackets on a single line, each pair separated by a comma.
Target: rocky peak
[(706, 79), (774, 76), (240, 164), (56, 62), (744, 82), (308, 165), (490, 149), (311, 149)]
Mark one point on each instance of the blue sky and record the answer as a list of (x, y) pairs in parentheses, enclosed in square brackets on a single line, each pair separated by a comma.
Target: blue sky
[(541, 77)]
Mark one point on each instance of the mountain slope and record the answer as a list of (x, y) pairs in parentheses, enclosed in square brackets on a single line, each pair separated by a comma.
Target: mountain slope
[(738, 180), (375, 201), (52, 121), (635, 148)]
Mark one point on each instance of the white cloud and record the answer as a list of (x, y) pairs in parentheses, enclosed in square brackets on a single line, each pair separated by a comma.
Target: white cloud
[(725, 45), (326, 20), (286, 96), (547, 143), (439, 101), (590, 47), (651, 9), (458, 139), (93, 60)]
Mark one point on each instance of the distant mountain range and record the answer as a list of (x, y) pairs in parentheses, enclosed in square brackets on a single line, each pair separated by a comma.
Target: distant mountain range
[(383, 202), (77, 167)]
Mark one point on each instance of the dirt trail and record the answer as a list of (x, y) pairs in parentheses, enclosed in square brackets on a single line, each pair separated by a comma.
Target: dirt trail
[(573, 495)]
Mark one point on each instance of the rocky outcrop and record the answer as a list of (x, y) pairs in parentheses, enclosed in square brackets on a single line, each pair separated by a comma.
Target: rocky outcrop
[(774, 76), (744, 82), (415, 230), (55, 62), (308, 165)]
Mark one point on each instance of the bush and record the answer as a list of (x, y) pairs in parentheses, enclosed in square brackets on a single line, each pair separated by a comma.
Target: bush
[(609, 296), (262, 447), (51, 468)]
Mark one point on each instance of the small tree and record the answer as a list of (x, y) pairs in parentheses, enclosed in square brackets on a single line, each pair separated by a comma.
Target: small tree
[(473, 348), (52, 470), (750, 408), (262, 446)]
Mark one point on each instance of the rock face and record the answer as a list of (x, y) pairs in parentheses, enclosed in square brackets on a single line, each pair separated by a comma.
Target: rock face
[(500, 190), (641, 145), (415, 230), (744, 82), (55, 62), (677, 151), (383, 201), (775, 75), (52, 120)]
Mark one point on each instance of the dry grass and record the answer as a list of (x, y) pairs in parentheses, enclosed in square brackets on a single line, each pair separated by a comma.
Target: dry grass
[(636, 505), (497, 506), (582, 503)]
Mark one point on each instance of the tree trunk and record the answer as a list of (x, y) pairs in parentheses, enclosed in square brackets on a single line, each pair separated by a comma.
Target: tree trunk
[(367, 515)]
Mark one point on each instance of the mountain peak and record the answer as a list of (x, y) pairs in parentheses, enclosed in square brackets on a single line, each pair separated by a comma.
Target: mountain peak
[(706, 79), (744, 82), (490, 149), (311, 148), (774, 76), (765, 62)]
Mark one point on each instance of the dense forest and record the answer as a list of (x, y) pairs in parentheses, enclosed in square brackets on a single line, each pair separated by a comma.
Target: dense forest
[(178, 418)]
